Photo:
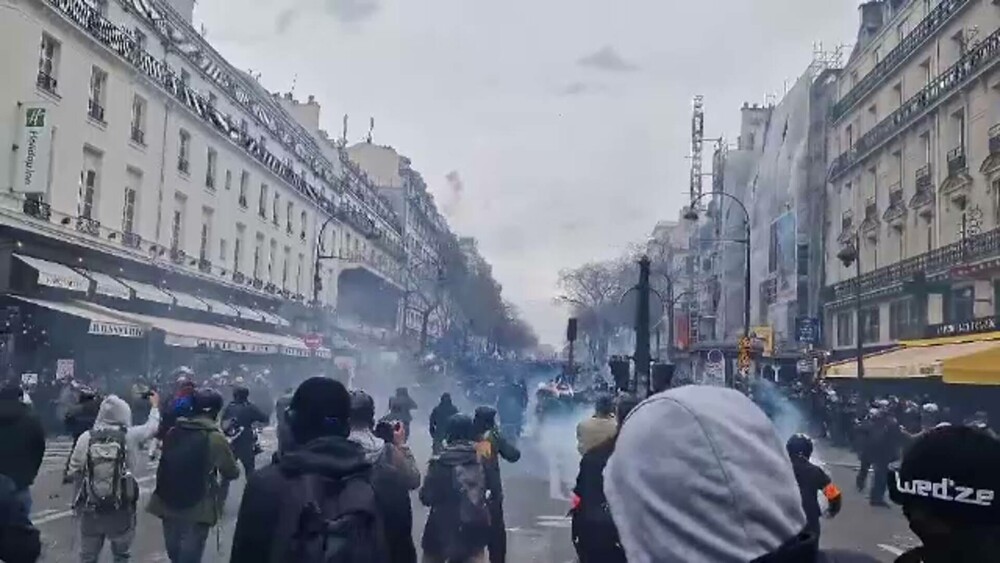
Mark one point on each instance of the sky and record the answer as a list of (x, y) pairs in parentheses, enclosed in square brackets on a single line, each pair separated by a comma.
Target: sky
[(555, 132)]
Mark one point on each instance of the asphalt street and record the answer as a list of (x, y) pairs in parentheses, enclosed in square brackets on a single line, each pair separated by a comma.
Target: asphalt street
[(536, 499)]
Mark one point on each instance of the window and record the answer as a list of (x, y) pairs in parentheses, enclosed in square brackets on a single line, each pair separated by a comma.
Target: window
[(849, 135), (901, 30), (212, 99), (925, 71), (876, 56), (897, 94), (140, 39), (223, 254), (207, 214), (241, 231), (262, 202), (298, 274), (98, 87), (284, 267), (184, 152), (128, 206), (958, 305), (177, 224), (139, 119), (925, 144), (272, 257), (276, 209), (845, 329), (89, 184), (897, 159), (289, 216), (872, 115), (869, 324), (244, 186), (48, 63), (229, 179), (303, 225), (213, 160), (899, 319), (257, 251), (772, 248), (958, 127)]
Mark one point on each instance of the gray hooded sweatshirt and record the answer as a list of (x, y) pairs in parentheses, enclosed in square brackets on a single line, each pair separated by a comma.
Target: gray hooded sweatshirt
[(698, 474), (115, 412)]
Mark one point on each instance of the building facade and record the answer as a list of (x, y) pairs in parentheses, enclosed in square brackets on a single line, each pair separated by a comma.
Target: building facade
[(914, 173)]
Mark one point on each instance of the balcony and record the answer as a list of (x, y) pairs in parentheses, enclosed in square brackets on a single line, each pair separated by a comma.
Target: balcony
[(205, 265), (870, 223), (46, 82), (184, 165), (239, 278), (995, 139), (37, 208), (138, 136), (927, 27), (270, 288), (895, 213), (846, 228), (95, 111), (131, 240), (938, 262), (923, 195), (88, 226), (957, 185), (257, 283), (177, 256), (977, 59)]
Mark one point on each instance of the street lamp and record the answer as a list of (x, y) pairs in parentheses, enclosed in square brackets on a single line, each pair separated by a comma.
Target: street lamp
[(848, 255), (692, 215)]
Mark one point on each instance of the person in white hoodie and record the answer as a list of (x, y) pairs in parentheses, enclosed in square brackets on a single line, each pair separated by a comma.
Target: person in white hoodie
[(113, 444)]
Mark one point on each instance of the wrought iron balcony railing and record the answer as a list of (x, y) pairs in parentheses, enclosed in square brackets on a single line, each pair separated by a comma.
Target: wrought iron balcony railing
[(46, 82), (95, 110), (37, 208), (927, 27), (270, 287), (177, 256), (131, 240), (238, 277), (88, 226), (138, 136), (956, 160), (205, 265), (257, 283), (938, 261), (983, 55), (210, 181), (897, 208)]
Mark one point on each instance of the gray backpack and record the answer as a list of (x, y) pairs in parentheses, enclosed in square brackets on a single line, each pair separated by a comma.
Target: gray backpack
[(107, 483)]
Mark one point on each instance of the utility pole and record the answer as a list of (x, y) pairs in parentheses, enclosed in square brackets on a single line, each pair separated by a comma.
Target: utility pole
[(641, 355), (571, 329)]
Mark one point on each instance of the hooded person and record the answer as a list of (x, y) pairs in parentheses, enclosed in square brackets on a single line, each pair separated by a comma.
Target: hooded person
[(455, 490), (439, 421), (324, 462), (597, 429), (394, 474), (22, 443), (401, 406), (491, 445), (699, 474), (109, 450), (238, 419), (946, 484)]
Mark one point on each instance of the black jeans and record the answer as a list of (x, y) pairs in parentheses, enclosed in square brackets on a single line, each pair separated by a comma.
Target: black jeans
[(185, 541), (880, 482), (498, 533)]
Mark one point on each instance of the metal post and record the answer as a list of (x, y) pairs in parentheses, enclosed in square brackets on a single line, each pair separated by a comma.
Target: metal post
[(670, 320), (746, 288), (857, 304), (641, 355)]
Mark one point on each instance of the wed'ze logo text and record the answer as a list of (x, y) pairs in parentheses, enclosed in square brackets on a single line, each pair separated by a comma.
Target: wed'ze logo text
[(947, 490)]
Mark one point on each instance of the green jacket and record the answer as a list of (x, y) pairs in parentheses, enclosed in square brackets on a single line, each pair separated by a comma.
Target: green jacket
[(221, 461)]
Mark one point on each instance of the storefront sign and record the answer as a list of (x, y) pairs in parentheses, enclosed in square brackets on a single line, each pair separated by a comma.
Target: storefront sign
[(763, 336), (28, 379), (34, 148), (50, 279), (807, 330), (64, 369), (111, 329), (313, 341), (986, 324)]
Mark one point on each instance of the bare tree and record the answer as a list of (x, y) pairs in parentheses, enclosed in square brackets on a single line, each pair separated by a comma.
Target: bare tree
[(594, 291)]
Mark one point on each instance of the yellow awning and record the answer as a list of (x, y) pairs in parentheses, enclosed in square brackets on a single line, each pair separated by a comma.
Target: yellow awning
[(966, 359)]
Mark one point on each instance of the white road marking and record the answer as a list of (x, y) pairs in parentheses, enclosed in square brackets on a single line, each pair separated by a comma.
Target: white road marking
[(891, 549)]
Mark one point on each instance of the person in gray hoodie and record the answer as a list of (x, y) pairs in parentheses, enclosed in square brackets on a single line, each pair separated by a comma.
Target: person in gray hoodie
[(699, 474), (115, 524)]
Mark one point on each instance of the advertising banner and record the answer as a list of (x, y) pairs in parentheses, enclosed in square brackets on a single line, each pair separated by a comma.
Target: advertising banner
[(34, 142)]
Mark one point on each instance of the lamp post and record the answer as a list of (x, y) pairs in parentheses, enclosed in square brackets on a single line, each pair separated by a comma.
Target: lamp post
[(851, 254), (692, 215)]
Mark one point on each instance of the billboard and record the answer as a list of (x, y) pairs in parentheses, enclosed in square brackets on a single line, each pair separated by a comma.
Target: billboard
[(781, 256), (34, 142)]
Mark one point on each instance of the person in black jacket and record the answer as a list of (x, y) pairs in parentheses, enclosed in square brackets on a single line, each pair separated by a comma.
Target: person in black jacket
[(594, 533), (439, 421), (19, 540), (238, 419), (318, 416), (22, 443), (81, 417), (491, 446)]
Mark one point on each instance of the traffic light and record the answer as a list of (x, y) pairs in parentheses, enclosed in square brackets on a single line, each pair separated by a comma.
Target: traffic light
[(662, 377), (620, 371), (571, 330)]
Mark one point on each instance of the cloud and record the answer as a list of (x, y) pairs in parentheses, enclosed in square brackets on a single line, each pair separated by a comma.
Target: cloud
[(580, 88), (352, 11), (607, 59), (284, 20), (453, 200)]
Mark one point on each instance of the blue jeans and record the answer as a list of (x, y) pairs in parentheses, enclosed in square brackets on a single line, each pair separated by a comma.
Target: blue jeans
[(185, 541)]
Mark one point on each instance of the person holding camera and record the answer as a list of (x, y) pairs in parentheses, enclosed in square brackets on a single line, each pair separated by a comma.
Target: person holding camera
[(394, 473)]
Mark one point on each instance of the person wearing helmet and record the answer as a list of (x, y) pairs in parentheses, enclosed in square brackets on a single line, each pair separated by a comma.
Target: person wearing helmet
[(195, 463), (238, 419), (812, 479)]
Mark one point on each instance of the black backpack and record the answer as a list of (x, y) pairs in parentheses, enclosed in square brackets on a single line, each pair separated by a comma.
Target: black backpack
[(325, 520), (469, 480), (184, 472)]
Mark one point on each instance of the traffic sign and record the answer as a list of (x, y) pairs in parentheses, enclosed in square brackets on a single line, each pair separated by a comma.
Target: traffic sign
[(807, 330), (313, 341)]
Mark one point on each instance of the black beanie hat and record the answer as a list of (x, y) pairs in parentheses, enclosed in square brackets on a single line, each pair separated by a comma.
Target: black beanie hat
[(954, 473), (319, 407), (460, 428)]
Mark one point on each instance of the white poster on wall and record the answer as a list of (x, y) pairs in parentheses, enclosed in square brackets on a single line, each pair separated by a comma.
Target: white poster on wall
[(34, 142)]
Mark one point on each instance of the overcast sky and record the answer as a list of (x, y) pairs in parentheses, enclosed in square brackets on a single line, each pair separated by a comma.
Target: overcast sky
[(554, 131)]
